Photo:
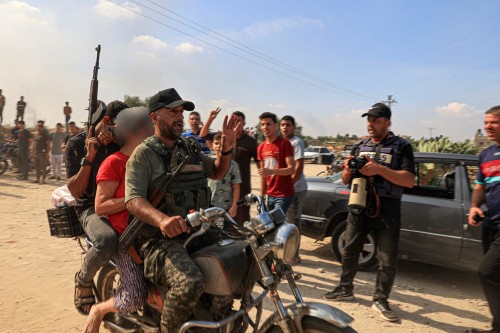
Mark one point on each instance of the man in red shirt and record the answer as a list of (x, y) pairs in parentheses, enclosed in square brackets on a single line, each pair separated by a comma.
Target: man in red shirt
[(277, 166)]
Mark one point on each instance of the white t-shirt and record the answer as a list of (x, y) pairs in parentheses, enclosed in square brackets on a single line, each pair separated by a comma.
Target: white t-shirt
[(298, 153)]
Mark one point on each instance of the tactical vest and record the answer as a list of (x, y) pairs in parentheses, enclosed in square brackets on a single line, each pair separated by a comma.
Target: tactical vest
[(189, 189), (389, 156)]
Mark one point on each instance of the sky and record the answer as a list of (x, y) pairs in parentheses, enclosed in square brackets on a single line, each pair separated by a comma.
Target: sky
[(324, 62)]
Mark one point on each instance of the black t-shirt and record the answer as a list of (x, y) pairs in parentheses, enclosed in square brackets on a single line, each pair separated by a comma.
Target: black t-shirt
[(75, 151), (246, 148), (21, 105)]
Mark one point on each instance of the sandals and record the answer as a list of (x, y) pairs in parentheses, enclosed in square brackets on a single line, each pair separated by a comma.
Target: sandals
[(81, 302)]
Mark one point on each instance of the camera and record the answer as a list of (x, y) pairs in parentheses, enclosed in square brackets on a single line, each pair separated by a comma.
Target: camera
[(357, 162)]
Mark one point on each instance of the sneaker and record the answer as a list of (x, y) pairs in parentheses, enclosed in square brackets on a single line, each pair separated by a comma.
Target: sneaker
[(383, 309), (339, 294), (52, 177)]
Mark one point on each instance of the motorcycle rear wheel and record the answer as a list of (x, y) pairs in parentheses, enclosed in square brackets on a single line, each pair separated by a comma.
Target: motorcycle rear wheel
[(317, 325), (108, 281)]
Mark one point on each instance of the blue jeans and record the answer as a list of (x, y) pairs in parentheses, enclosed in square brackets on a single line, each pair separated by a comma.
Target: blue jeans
[(103, 237), (283, 202)]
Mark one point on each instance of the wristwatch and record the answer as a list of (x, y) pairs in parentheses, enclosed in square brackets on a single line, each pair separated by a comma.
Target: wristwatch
[(84, 162)]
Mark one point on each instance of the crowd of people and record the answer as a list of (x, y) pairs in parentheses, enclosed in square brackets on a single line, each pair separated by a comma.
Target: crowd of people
[(115, 167)]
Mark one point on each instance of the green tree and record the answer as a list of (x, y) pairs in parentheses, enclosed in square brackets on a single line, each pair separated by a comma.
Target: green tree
[(132, 101)]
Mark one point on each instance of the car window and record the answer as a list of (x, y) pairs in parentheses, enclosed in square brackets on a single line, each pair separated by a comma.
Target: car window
[(434, 180), (325, 150), (472, 174), (311, 150)]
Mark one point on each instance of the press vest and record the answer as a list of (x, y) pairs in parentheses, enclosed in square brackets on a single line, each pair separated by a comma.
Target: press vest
[(389, 155)]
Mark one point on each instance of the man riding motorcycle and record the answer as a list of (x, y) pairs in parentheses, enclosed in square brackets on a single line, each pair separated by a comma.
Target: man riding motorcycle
[(160, 243)]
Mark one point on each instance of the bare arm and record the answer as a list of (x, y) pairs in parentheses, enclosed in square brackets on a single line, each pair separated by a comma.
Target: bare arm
[(204, 130), (170, 225), (299, 169), (288, 171), (478, 197), (262, 180), (236, 196), (228, 139), (105, 201), (79, 182)]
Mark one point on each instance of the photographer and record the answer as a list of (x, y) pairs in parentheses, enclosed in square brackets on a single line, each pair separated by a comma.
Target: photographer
[(380, 166)]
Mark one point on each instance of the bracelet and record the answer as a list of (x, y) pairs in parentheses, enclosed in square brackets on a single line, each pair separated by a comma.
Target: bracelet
[(225, 153)]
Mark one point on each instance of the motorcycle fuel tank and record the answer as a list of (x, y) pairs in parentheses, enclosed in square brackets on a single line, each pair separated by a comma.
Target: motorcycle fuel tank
[(225, 267)]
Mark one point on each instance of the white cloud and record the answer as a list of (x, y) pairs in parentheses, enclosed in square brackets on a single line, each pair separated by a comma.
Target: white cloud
[(187, 47), (149, 42), (278, 25), (457, 110), (19, 10), (115, 12)]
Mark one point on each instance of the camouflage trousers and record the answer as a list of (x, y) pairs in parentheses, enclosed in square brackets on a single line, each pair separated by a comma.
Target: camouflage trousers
[(167, 263)]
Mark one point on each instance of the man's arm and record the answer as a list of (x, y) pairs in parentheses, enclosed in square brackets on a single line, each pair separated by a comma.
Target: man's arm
[(79, 182), (262, 180), (206, 127), (287, 171), (478, 198), (236, 196), (228, 139)]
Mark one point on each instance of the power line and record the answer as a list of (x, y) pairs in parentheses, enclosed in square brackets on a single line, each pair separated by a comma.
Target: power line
[(233, 43), (235, 54)]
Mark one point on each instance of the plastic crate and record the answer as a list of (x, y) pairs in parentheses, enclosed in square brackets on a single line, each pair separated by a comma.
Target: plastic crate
[(63, 222)]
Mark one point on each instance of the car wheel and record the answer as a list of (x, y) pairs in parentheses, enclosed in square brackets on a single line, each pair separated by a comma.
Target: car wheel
[(315, 160), (367, 258)]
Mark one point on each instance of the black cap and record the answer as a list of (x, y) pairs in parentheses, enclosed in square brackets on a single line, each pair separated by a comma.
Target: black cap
[(378, 110), (168, 98)]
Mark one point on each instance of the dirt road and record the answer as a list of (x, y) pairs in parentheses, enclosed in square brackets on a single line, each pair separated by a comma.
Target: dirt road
[(36, 276)]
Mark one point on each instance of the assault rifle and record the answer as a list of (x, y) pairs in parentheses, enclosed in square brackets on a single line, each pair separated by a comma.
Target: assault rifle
[(135, 226), (93, 102)]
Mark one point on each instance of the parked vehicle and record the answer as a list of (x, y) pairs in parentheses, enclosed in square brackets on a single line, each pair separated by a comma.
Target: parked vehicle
[(346, 151), (434, 225), (254, 254), (318, 154)]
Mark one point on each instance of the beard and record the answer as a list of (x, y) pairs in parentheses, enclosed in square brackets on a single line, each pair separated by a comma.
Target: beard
[(172, 132)]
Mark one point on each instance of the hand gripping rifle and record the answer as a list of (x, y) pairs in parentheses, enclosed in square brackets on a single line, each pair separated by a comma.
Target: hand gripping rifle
[(135, 226), (94, 87)]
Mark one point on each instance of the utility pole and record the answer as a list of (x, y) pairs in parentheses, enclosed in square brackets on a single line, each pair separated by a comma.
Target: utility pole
[(430, 131), (390, 101)]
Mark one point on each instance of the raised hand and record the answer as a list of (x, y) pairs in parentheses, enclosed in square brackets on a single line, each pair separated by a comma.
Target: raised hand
[(91, 145), (230, 128), (214, 114)]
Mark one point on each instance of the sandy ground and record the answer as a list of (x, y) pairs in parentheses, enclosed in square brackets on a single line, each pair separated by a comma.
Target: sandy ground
[(36, 276)]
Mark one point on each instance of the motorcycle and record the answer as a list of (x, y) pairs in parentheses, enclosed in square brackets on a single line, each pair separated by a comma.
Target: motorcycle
[(4, 163), (9, 158), (250, 255)]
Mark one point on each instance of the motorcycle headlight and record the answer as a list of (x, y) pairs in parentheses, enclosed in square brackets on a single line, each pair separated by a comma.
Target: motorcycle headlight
[(285, 241)]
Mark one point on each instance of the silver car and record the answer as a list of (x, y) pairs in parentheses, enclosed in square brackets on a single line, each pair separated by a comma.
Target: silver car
[(434, 225)]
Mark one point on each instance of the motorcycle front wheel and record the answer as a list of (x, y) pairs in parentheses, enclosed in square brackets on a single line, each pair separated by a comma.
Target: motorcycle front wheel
[(316, 325)]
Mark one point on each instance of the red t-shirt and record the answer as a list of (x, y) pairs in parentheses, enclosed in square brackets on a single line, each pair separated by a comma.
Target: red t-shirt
[(113, 168), (274, 155)]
